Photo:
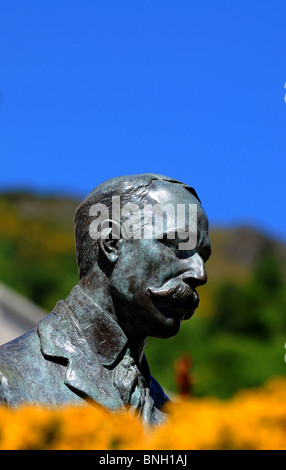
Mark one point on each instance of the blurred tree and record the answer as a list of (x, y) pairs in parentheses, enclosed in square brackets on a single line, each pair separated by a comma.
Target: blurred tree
[(257, 307)]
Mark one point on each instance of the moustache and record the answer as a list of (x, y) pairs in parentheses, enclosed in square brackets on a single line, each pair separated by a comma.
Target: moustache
[(176, 290)]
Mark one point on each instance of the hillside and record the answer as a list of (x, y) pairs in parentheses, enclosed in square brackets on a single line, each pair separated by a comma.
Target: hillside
[(236, 250)]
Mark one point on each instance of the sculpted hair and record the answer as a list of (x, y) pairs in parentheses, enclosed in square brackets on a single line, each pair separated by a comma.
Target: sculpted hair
[(131, 188)]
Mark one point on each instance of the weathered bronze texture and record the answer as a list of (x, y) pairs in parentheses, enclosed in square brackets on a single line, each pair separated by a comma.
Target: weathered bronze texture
[(92, 344)]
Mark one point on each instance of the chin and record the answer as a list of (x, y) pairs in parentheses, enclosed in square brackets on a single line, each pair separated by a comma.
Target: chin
[(169, 327)]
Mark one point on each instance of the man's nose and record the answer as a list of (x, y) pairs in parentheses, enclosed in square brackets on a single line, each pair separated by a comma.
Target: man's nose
[(195, 273)]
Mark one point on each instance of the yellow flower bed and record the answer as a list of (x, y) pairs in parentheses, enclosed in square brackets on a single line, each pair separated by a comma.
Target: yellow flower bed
[(253, 419)]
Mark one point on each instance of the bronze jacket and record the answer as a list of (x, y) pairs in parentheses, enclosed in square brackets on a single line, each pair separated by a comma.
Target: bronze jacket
[(54, 364)]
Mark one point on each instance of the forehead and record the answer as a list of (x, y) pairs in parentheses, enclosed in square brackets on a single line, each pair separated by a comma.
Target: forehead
[(164, 193)]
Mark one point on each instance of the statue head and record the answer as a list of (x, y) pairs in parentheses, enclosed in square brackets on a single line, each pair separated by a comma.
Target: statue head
[(145, 239)]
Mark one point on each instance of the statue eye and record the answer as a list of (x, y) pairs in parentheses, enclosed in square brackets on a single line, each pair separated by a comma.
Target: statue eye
[(173, 244), (170, 243)]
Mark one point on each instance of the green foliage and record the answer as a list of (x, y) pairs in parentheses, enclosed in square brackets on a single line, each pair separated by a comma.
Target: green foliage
[(45, 281), (37, 256), (257, 307)]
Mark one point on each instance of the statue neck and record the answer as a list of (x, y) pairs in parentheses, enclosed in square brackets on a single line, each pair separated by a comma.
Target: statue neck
[(96, 287)]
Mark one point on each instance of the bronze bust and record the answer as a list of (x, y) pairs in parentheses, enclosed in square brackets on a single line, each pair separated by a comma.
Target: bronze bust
[(131, 286)]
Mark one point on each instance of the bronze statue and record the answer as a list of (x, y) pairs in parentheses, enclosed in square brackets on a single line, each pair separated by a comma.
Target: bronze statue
[(131, 286)]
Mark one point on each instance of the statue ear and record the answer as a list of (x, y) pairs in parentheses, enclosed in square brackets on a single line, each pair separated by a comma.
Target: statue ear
[(110, 241)]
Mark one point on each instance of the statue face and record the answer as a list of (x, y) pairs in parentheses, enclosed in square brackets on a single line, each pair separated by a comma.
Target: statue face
[(154, 283)]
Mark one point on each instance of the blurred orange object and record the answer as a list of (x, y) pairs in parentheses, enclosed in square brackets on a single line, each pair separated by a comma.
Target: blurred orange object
[(184, 379)]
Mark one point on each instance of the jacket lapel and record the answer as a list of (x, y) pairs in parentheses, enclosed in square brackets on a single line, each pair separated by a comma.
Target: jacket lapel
[(61, 337)]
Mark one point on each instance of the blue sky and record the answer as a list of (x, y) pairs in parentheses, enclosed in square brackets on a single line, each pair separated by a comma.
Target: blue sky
[(193, 90)]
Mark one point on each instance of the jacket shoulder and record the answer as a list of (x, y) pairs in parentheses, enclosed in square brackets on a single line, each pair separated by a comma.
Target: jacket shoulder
[(14, 351), (27, 375), (14, 364)]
